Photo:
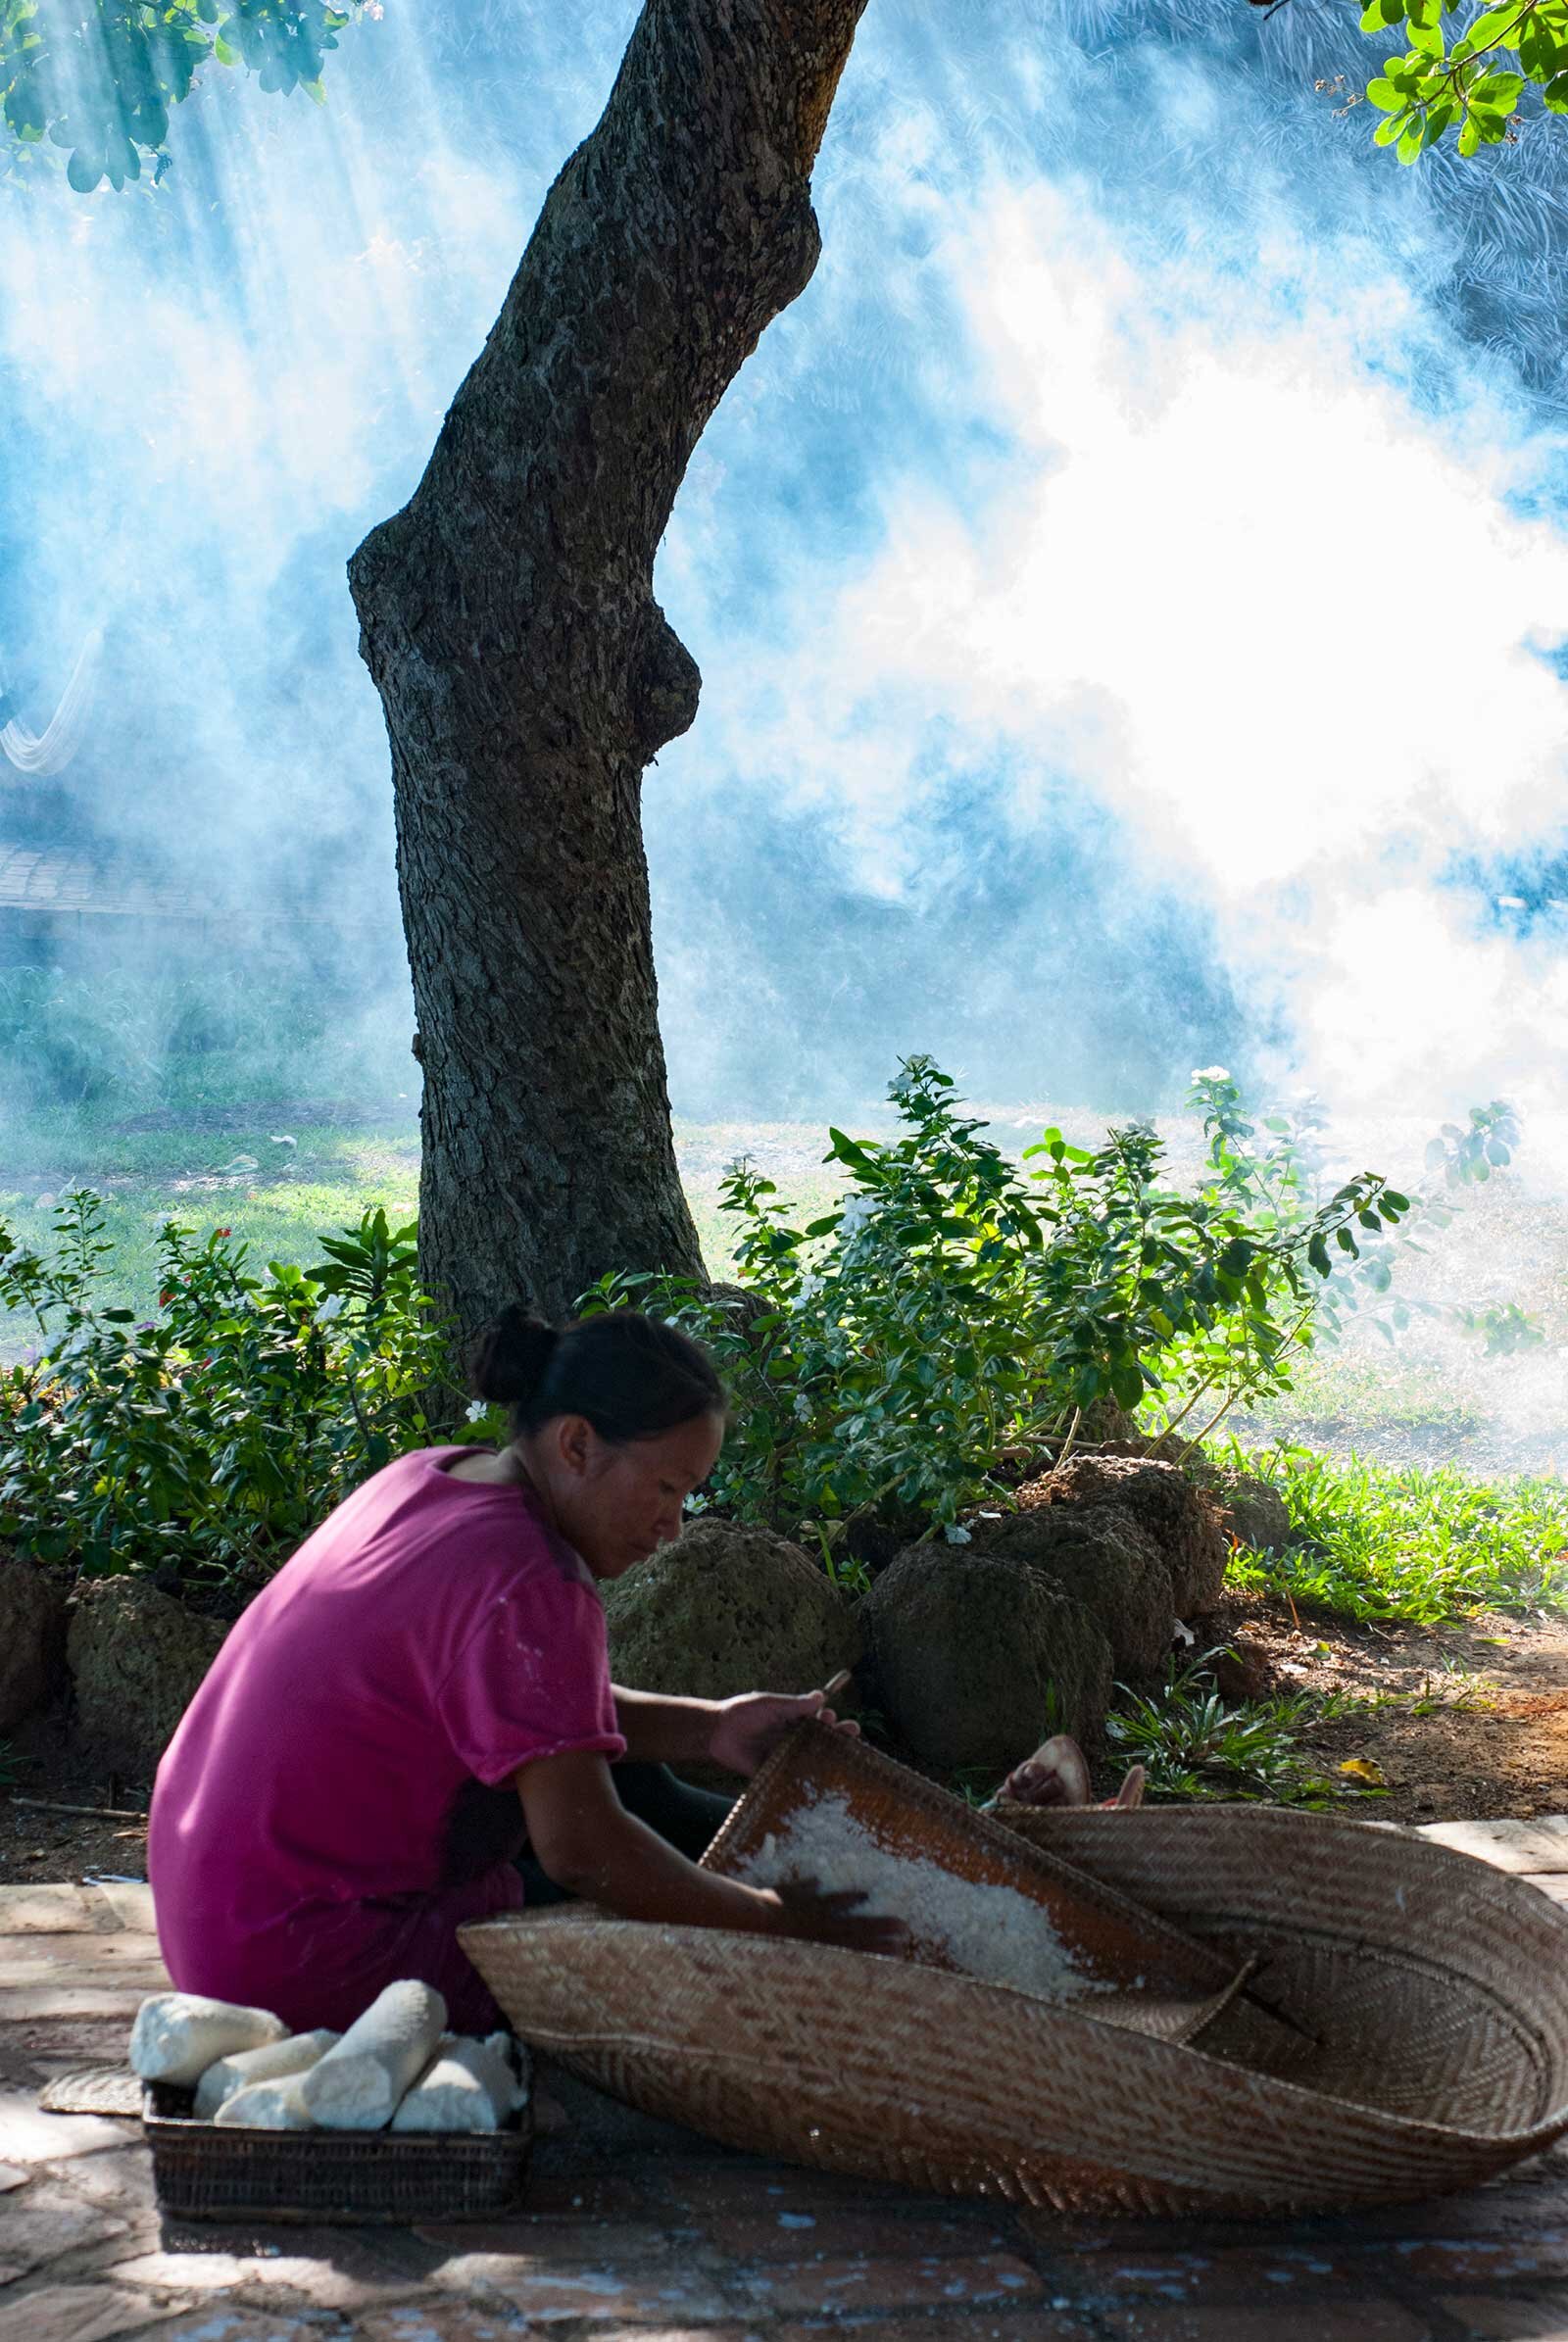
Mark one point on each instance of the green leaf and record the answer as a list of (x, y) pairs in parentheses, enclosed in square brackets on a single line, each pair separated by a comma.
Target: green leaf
[(1387, 99), (1554, 97), (1497, 92), (1387, 131), (1491, 27)]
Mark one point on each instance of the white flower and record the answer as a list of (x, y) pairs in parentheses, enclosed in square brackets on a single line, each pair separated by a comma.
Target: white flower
[(857, 1211), (809, 1285), (954, 1533), (478, 1409), (1211, 1073)]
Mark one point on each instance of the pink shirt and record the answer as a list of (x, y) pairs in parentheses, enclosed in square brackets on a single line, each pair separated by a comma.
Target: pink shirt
[(432, 1633)]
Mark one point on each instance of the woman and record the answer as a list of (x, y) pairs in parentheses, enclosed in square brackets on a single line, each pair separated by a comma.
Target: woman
[(325, 1818)]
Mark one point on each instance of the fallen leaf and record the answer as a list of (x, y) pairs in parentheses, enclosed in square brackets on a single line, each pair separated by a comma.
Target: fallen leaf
[(1364, 1769)]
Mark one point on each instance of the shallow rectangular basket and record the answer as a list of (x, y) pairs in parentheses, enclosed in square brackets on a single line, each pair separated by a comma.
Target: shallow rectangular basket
[(213, 2171)]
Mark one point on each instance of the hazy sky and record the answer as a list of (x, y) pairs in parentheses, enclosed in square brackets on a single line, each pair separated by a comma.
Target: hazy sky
[(1126, 584)]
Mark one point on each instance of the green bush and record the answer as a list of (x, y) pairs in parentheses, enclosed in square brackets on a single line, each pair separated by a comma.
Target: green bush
[(213, 1436), (955, 1310)]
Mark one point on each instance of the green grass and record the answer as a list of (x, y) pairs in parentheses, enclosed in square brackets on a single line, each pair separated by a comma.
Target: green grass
[(1374, 1394), (295, 1195), (1380, 1541), (1194, 1745)]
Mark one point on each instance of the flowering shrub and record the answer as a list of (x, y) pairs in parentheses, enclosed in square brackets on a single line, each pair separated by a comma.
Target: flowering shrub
[(215, 1435), (956, 1310)]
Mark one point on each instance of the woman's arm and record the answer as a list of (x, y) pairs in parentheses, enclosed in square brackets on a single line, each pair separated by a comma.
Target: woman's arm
[(664, 1731), (737, 1733), (584, 1839)]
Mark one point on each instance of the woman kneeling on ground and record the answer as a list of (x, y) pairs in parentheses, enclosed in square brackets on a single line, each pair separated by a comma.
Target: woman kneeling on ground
[(426, 1685)]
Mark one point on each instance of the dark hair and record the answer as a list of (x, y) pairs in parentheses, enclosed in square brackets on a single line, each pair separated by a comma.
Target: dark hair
[(629, 1376)]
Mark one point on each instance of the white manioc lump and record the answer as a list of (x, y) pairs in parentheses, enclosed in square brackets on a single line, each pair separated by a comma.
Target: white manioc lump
[(992, 1932), (276, 2105), (467, 2085), (177, 2035), (357, 2085), (270, 2064)]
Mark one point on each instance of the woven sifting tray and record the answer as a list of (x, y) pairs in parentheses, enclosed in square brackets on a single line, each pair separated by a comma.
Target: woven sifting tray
[(222, 2171), (1135, 1969), (1426, 2046)]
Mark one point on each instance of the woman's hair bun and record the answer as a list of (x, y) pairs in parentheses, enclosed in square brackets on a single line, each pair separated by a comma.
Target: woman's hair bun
[(512, 1357)]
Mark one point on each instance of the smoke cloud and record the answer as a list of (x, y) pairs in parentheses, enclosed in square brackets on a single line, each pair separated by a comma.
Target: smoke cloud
[(1128, 584)]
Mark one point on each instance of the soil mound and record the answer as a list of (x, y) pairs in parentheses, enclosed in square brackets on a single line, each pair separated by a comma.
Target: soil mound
[(1183, 1521)]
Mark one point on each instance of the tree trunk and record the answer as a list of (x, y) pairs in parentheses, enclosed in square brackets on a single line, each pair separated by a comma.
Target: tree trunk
[(528, 675)]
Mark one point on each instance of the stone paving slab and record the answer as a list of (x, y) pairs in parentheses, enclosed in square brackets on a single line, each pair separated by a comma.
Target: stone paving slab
[(1531, 1848), (638, 2230)]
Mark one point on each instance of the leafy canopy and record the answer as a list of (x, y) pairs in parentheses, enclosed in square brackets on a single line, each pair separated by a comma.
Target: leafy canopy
[(1465, 69), (98, 77)]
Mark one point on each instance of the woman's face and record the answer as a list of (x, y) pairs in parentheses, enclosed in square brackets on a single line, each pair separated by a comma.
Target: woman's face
[(617, 1503)]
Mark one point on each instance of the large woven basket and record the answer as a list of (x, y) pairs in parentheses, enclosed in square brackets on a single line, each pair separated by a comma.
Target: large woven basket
[(1436, 1989)]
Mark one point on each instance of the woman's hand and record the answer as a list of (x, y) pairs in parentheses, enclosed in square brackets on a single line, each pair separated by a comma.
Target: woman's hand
[(747, 1731), (818, 1918)]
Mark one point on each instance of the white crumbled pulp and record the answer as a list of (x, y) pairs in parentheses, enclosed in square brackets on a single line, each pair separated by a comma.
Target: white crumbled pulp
[(992, 1932), (395, 2064)]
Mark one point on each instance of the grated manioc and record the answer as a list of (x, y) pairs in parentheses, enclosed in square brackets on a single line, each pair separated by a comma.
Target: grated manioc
[(271, 2063), (177, 2035), (358, 2084), (276, 2105), (467, 2085), (992, 1932)]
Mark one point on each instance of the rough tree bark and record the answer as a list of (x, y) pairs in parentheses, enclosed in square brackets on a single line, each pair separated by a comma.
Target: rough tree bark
[(528, 673)]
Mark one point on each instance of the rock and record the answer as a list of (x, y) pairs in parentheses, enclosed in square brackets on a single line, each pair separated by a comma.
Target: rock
[(1183, 1521), (136, 1658), (980, 1656), (1252, 1510), (1098, 1554), (727, 1609), (32, 1639)]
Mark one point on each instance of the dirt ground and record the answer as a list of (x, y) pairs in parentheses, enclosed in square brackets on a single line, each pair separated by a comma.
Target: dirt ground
[(1463, 1720), (40, 1841)]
